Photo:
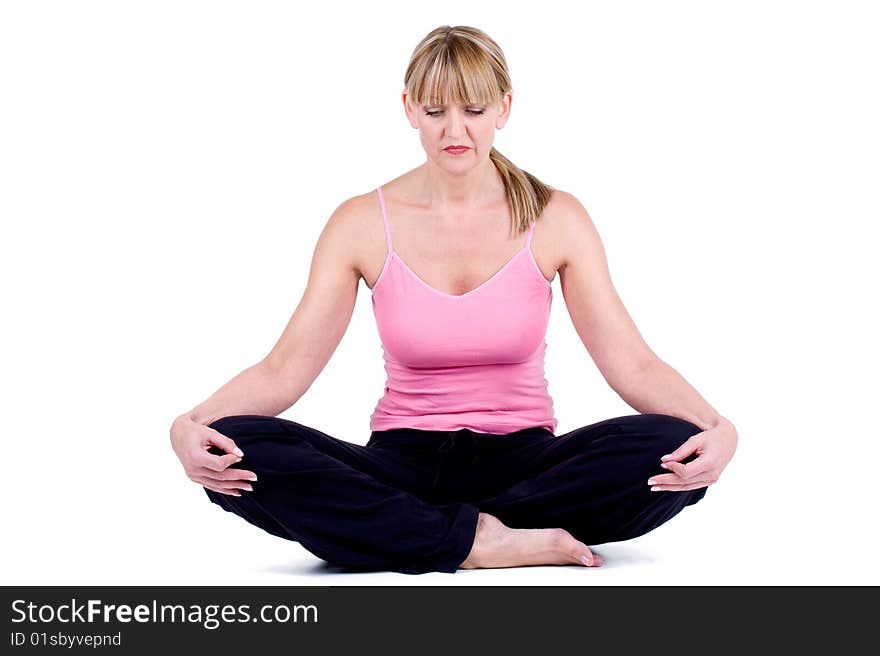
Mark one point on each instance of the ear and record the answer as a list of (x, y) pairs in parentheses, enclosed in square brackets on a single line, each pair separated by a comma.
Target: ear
[(504, 112), (409, 109)]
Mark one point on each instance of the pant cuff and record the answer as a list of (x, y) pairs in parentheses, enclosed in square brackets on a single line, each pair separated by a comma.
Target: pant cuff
[(454, 548)]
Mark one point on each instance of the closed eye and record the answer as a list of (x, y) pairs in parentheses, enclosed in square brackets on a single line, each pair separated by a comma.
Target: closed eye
[(475, 112)]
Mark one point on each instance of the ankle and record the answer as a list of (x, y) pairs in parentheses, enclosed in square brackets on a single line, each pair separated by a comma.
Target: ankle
[(473, 557)]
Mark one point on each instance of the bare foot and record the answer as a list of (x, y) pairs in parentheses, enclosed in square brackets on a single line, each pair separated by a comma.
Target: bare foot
[(497, 545)]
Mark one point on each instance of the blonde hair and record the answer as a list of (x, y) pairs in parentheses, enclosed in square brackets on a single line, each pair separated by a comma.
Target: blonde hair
[(467, 63)]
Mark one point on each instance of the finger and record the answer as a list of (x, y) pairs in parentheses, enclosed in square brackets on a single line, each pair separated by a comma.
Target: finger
[(682, 452), (593, 560), (679, 473), (213, 488), (215, 463), (690, 472), (587, 557), (231, 474), (218, 439), (224, 487), (695, 485), (666, 479)]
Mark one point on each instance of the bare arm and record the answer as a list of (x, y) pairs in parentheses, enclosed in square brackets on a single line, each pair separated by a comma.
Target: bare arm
[(255, 390), (638, 375), (311, 335), (597, 312)]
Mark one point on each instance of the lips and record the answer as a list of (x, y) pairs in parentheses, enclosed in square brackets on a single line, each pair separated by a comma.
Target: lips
[(456, 149)]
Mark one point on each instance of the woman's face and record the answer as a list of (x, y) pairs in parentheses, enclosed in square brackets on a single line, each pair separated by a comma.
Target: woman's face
[(473, 126)]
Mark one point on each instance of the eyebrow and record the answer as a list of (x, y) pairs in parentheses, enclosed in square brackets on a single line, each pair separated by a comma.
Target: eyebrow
[(474, 104)]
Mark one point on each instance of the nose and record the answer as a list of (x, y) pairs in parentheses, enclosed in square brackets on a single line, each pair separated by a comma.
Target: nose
[(455, 124)]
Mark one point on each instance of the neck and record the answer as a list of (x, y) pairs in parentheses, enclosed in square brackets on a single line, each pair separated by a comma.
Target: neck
[(451, 193)]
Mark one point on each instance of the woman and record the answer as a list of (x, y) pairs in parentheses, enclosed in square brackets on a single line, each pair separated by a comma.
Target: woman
[(463, 468)]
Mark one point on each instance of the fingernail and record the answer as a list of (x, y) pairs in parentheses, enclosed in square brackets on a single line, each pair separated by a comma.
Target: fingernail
[(249, 488), (651, 481), (252, 478), (656, 488), (586, 561), (666, 457), (664, 465)]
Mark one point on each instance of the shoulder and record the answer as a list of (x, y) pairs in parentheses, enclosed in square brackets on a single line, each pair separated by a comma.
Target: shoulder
[(565, 212), (355, 229), (353, 212), (565, 229)]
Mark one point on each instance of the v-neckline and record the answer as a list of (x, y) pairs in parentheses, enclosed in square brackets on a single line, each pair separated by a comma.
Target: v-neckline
[(392, 254), (495, 275)]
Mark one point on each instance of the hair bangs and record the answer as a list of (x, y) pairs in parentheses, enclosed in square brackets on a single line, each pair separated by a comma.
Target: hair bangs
[(456, 75)]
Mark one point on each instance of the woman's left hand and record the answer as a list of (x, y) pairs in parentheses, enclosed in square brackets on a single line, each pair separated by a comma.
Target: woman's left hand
[(714, 448)]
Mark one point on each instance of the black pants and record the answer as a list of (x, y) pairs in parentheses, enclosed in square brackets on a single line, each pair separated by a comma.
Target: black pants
[(408, 500)]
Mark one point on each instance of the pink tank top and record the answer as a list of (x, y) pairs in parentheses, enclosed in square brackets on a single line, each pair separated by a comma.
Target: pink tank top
[(474, 360)]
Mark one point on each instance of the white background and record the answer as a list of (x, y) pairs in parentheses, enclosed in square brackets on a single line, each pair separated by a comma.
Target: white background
[(166, 169)]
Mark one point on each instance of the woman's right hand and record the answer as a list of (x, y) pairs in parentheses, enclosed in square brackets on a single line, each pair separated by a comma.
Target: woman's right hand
[(191, 442)]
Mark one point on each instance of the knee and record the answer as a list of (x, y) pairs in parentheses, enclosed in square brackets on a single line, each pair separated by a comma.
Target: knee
[(244, 428), (675, 426), (670, 432), (238, 428), (234, 425), (658, 434), (267, 442)]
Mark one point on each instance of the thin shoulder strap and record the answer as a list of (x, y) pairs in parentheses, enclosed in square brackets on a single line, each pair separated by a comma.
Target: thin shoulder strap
[(529, 235), (385, 219)]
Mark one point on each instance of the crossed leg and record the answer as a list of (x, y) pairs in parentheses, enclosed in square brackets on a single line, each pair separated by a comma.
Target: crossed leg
[(364, 508), (592, 481), (345, 503)]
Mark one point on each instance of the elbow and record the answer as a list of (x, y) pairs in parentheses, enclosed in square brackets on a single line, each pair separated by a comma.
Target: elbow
[(624, 375)]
